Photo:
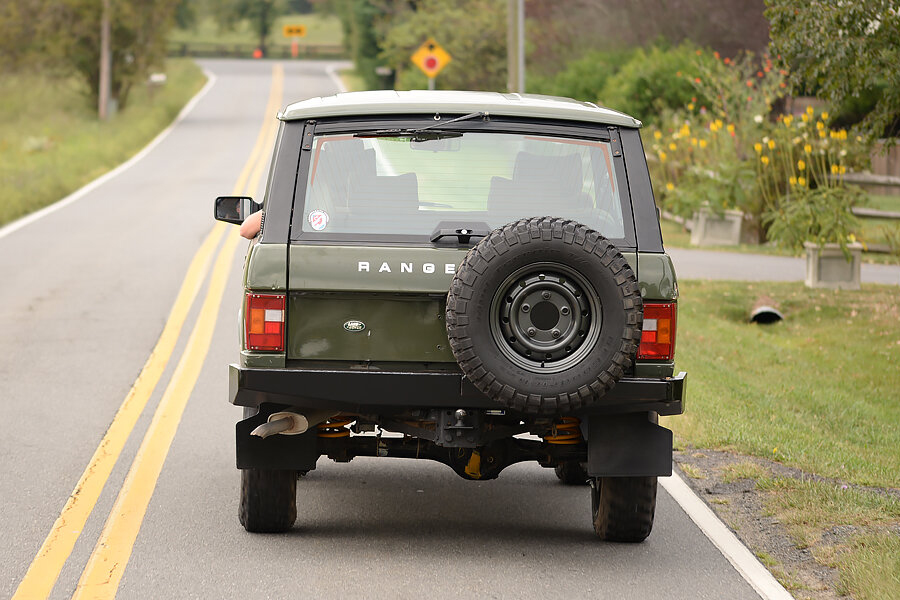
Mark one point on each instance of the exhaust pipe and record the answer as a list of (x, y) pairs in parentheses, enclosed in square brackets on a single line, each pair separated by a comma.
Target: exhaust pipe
[(291, 423)]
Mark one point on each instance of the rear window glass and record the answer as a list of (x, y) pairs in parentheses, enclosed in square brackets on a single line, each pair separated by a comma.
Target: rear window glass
[(397, 185)]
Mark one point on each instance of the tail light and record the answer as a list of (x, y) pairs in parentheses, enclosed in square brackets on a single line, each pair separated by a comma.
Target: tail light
[(658, 333), (264, 322)]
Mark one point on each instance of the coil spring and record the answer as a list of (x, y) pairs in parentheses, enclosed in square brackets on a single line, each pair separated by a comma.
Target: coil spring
[(334, 428), (566, 432)]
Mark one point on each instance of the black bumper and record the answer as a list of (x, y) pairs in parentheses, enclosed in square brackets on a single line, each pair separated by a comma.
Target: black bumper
[(387, 391)]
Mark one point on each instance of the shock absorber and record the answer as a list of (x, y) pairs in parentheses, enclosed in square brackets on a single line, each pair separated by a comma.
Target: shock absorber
[(567, 431), (335, 427)]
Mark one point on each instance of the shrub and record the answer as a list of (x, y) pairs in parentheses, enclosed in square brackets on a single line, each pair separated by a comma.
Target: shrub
[(582, 79), (655, 79)]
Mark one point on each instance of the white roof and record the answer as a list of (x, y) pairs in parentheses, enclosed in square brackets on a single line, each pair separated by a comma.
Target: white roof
[(390, 102)]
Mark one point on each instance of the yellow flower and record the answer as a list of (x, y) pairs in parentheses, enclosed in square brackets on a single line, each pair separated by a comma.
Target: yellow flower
[(822, 133), (801, 181), (788, 119), (835, 169), (685, 130), (691, 106), (771, 144), (807, 148), (820, 125), (662, 157), (764, 159), (793, 180), (657, 134), (758, 147), (693, 141), (703, 143), (801, 165), (804, 117), (843, 169), (730, 128), (672, 146), (670, 186), (810, 110), (824, 116), (842, 134), (719, 123)]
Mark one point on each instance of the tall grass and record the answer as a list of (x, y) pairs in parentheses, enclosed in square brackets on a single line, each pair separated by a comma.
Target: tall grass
[(51, 142)]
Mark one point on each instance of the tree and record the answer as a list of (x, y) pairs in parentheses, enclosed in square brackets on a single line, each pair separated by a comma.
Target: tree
[(843, 50), (472, 31), (260, 13), (138, 40)]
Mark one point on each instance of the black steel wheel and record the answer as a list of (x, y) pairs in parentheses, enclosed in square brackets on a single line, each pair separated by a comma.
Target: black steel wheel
[(544, 315), (622, 508), (268, 500)]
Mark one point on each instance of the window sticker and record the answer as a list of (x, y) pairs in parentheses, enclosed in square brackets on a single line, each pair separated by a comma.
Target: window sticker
[(318, 219)]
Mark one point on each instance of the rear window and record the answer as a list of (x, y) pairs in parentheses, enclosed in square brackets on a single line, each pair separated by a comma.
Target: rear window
[(360, 186)]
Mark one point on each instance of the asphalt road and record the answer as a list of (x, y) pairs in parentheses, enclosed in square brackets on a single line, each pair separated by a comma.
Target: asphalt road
[(86, 292)]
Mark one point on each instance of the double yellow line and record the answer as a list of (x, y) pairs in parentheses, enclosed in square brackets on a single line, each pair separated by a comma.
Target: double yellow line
[(104, 569)]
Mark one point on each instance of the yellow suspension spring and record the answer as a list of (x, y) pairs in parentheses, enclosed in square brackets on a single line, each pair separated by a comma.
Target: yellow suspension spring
[(334, 428), (568, 431)]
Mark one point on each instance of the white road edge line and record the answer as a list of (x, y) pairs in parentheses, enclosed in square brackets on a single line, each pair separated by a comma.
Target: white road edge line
[(728, 544), (81, 192), (331, 71)]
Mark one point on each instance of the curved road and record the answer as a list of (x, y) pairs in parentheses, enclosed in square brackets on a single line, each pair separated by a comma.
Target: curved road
[(87, 290)]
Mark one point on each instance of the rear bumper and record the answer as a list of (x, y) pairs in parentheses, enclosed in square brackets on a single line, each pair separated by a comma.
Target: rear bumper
[(388, 391)]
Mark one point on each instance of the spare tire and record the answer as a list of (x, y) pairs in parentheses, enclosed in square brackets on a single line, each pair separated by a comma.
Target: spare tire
[(544, 315)]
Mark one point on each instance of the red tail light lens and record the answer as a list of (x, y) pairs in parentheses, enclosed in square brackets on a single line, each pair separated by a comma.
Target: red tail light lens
[(264, 322), (658, 333)]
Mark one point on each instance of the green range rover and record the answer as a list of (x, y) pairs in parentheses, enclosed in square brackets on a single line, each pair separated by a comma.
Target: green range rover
[(472, 278)]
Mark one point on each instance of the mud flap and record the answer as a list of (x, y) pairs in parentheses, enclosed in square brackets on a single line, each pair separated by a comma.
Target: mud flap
[(278, 452), (628, 445)]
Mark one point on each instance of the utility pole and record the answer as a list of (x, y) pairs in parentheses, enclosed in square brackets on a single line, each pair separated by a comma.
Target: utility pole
[(511, 62), (521, 69), (105, 65)]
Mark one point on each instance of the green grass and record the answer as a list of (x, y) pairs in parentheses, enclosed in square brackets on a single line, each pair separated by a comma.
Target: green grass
[(320, 29), (891, 203), (870, 570), (51, 142), (817, 391)]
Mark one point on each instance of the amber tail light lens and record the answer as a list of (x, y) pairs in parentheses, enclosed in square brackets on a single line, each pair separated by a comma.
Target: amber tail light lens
[(264, 322), (658, 333)]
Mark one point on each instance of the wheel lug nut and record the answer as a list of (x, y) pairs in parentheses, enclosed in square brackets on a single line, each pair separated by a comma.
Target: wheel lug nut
[(564, 310), (555, 333), (546, 295), (531, 332), (526, 308)]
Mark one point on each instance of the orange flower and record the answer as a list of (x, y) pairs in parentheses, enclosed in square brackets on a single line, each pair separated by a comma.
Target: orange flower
[(759, 73), (727, 61), (716, 54), (697, 79), (749, 83)]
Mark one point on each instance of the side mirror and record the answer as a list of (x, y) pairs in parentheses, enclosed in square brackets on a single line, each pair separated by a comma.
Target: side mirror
[(234, 209)]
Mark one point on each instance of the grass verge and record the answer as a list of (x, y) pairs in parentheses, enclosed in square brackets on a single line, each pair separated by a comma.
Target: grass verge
[(52, 142), (320, 29), (816, 393)]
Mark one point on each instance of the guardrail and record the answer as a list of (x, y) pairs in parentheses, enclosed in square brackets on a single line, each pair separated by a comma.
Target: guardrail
[(214, 49)]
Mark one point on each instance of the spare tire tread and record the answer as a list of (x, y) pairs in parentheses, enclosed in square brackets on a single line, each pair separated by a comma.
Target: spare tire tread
[(493, 247)]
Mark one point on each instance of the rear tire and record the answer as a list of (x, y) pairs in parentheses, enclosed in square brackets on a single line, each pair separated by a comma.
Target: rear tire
[(268, 500), (623, 507), (571, 472)]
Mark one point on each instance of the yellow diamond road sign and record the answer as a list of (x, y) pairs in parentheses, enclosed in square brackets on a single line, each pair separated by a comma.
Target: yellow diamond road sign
[(431, 58), (294, 30)]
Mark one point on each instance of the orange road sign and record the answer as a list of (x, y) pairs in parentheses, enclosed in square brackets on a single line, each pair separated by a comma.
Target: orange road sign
[(431, 58), (294, 30)]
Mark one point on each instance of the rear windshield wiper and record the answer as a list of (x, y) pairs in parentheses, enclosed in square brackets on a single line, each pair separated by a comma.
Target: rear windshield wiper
[(419, 135)]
